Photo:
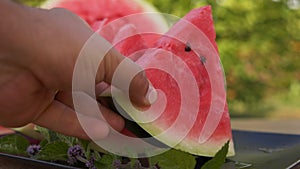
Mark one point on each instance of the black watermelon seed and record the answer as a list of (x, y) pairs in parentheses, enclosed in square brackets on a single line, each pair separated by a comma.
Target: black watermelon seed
[(203, 59), (187, 47)]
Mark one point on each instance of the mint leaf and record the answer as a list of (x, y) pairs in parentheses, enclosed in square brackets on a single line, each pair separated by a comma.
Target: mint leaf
[(133, 162), (43, 143), (67, 139), (85, 144), (54, 151), (44, 132), (218, 160), (14, 144), (174, 159), (107, 159), (102, 166), (52, 136)]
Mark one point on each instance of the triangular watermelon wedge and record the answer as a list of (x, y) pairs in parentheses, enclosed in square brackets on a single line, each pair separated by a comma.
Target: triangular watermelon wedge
[(191, 112)]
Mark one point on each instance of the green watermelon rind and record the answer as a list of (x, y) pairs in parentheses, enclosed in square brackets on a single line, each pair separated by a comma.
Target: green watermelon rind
[(208, 148), (204, 149)]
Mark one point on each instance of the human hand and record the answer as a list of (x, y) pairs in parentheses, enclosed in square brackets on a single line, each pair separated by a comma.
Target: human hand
[(38, 51)]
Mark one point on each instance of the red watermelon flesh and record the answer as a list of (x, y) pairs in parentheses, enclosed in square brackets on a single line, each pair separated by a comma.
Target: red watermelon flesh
[(128, 41), (211, 129), (99, 13)]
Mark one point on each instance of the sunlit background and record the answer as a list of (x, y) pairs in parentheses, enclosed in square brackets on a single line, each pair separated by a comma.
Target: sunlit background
[(259, 45)]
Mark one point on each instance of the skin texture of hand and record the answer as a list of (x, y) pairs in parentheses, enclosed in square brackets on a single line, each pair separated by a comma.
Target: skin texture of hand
[(38, 51)]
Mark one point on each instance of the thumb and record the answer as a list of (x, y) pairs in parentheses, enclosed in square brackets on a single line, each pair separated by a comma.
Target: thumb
[(117, 70)]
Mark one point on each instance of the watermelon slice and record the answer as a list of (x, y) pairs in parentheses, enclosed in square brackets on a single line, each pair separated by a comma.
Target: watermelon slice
[(185, 68), (191, 94)]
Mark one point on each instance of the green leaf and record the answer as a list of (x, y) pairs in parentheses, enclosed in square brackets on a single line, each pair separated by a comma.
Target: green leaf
[(218, 160), (132, 162), (44, 132), (97, 156), (14, 144), (67, 139), (52, 136), (107, 159), (85, 144), (54, 151), (102, 166), (43, 143), (174, 159)]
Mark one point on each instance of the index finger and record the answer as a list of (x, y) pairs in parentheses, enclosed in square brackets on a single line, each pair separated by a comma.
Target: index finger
[(127, 76), (98, 50)]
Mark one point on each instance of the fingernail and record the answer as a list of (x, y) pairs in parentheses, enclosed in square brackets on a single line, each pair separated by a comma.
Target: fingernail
[(151, 95), (96, 129)]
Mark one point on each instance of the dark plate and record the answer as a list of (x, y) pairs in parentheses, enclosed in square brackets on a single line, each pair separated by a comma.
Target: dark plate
[(267, 150), (254, 150), (8, 161)]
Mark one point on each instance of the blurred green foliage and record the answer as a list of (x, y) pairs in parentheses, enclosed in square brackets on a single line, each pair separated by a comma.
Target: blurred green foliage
[(259, 45)]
